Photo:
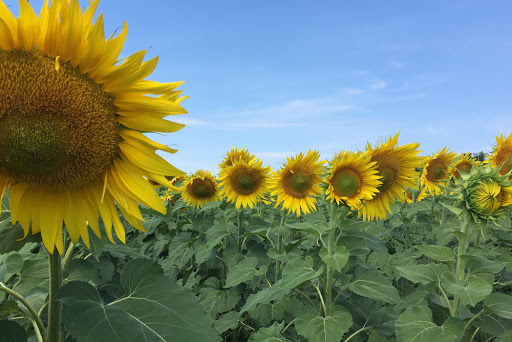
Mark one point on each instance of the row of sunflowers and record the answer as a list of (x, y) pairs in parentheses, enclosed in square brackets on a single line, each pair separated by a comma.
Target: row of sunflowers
[(368, 181)]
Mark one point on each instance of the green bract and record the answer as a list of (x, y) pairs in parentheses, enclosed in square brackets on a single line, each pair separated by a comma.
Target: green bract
[(484, 193)]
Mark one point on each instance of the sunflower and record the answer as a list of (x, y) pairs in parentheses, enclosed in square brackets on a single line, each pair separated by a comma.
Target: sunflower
[(244, 182), (234, 155), (397, 167), (502, 154), (436, 171), (464, 163), (351, 178), (484, 193), (177, 180), (200, 188), (297, 182), (71, 123)]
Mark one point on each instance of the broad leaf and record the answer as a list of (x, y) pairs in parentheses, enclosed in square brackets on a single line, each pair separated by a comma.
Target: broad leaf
[(330, 328), (500, 304), (336, 260), (154, 308), (373, 285), (439, 253), (218, 301), (424, 274), (415, 325), (473, 292), (296, 272), (241, 271), (270, 334), (226, 321), (12, 331)]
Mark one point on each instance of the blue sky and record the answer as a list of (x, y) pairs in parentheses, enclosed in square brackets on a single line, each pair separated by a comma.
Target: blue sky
[(280, 77)]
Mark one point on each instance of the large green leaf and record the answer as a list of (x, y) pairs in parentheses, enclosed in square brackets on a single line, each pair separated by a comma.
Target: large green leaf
[(424, 274), (218, 301), (476, 265), (270, 334), (296, 272), (330, 328), (415, 325), (472, 292), (500, 304), (439, 253), (373, 285), (12, 332), (336, 260), (154, 308), (241, 271)]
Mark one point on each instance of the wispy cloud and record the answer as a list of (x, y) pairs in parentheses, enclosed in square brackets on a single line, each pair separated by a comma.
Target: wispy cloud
[(378, 85), (294, 113), (189, 121), (353, 91), (269, 124)]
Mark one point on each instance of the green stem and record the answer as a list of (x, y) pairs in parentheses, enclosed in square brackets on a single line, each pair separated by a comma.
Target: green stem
[(468, 324), (322, 301), (357, 332), (33, 313), (279, 243), (445, 297), (240, 231), (330, 250), (459, 272), (67, 256), (54, 312)]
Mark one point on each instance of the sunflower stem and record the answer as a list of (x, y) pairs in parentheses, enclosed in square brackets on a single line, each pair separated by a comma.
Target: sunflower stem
[(279, 243), (54, 309), (459, 272), (330, 250)]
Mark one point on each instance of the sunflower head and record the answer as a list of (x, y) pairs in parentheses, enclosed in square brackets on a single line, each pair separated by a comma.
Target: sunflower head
[(463, 164), (396, 165), (352, 178), (502, 154), (200, 188), (298, 181), (436, 171), (235, 155), (71, 117), (244, 182), (484, 193)]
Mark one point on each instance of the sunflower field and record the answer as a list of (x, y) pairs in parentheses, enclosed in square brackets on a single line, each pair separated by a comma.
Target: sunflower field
[(102, 239)]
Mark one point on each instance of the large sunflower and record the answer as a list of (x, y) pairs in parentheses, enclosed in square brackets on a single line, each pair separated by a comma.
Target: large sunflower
[(200, 188), (244, 182), (352, 178), (297, 182), (436, 171), (463, 164), (397, 167), (235, 155), (71, 123), (502, 155)]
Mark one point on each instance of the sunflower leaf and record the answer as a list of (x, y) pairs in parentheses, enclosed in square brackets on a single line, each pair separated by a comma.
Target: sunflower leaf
[(154, 308)]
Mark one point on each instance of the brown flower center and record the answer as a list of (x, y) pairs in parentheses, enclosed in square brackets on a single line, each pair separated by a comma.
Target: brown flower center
[(202, 188), (56, 127), (245, 180)]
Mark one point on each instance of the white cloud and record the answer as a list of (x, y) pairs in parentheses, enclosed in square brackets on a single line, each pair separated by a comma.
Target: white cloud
[(378, 85), (188, 121), (353, 91)]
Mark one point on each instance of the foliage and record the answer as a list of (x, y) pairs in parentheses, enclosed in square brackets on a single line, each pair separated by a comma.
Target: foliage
[(218, 273)]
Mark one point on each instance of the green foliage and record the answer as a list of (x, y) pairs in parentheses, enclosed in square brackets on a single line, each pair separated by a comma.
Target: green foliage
[(218, 273)]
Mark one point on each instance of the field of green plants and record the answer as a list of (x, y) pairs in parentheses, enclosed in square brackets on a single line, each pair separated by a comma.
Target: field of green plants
[(219, 273)]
